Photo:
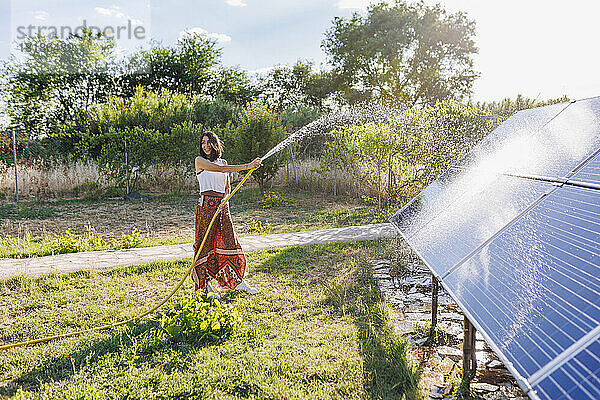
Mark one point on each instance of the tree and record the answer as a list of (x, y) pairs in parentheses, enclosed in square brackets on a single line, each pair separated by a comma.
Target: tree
[(409, 54), (55, 79), (258, 131), (190, 67), (292, 88)]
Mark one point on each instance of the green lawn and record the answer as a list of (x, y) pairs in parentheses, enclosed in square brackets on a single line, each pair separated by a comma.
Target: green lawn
[(318, 329), (37, 229)]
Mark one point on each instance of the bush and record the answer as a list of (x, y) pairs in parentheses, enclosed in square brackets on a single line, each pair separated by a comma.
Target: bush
[(199, 319), (274, 199), (259, 130), (398, 158)]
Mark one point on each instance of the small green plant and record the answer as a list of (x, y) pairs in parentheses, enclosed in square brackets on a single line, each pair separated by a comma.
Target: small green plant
[(134, 239), (274, 199), (439, 337), (26, 211), (198, 318), (256, 226)]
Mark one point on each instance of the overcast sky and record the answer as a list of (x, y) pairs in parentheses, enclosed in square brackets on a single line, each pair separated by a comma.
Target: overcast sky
[(536, 48)]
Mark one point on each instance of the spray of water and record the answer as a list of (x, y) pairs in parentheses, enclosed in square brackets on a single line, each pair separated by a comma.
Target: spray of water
[(356, 114)]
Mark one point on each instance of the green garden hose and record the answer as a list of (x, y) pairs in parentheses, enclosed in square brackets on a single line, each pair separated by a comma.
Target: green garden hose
[(147, 312)]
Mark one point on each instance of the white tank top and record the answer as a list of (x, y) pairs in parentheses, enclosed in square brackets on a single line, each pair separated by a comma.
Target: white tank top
[(211, 180)]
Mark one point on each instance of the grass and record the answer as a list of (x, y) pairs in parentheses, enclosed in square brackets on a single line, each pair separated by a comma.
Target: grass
[(319, 329), (26, 211), (84, 225)]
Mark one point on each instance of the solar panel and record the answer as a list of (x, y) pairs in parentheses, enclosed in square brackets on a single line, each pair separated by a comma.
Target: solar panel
[(588, 173), (478, 211), (513, 231), (534, 287), (577, 378)]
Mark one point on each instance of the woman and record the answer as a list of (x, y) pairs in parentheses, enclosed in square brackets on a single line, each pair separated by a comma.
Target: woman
[(222, 257)]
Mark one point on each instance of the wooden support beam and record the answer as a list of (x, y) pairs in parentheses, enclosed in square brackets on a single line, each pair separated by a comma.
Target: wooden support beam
[(469, 359), (434, 307)]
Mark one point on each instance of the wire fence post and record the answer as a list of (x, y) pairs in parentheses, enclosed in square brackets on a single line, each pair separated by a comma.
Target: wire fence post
[(294, 165), (126, 167), (335, 163), (15, 160)]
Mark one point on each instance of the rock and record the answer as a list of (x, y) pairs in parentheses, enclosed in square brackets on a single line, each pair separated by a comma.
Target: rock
[(451, 328), (404, 327), (417, 317), (382, 271), (446, 366), (452, 316), (494, 364), (484, 387), (448, 351), (419, 342), (436, 393), (381, 276)]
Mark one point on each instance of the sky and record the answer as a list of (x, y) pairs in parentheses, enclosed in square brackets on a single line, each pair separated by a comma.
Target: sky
[(541, 49)]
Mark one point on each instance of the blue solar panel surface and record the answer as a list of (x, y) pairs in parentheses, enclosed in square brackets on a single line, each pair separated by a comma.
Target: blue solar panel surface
[(522, 256), (588, 172), (538, 310), (583, 369)]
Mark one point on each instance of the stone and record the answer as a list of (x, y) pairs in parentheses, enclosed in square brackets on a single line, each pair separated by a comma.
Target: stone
[(419, 342), (436, 393), (452, 316), (446, 365), (404, 327), (484, 387), (448, 351)]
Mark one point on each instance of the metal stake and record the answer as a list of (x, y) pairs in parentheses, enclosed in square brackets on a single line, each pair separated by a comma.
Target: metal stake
[(335, 164), (434, 306), (126, 166), (15, 159), (294, 165)]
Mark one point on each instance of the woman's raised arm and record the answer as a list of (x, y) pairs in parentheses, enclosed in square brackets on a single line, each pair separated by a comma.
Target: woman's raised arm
[(204, 164)]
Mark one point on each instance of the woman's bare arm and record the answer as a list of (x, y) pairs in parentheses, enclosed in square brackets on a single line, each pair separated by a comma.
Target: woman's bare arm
[(204, 164)]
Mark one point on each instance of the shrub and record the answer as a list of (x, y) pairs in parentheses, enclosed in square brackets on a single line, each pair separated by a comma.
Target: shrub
[(259, 130), (200, 319), (400, 157), (274, 199)]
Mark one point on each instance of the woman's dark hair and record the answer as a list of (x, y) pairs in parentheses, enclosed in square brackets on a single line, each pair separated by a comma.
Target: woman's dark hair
[(215, 143)]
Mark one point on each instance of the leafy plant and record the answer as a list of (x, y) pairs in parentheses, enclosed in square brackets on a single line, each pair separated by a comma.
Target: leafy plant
[(258, 131), (256, 226), (273, 199), (200, 319)]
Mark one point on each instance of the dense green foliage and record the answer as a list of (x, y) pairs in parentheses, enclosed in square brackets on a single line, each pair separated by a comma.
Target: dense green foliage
[(60, 80), (56, 79), (198, 319), (297, 86), (411, 150), (259, 129), (402, 53), (72, 99)]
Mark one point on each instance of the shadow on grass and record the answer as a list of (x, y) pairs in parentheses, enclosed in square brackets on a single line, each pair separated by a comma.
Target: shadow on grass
[(388, 369), (132, 345)]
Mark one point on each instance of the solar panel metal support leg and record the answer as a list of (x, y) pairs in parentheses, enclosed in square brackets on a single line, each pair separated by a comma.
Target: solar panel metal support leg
[(469, 359), (434, 307)]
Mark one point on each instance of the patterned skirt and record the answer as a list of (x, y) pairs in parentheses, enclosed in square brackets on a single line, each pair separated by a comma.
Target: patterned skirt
[(221, 257)]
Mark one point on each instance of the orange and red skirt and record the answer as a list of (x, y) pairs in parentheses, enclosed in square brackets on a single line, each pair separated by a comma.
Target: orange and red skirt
[(222, 257)]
